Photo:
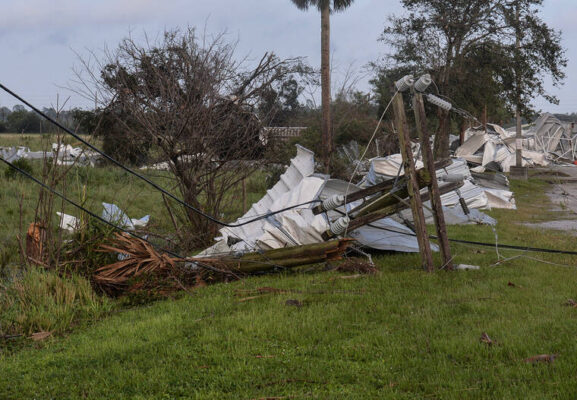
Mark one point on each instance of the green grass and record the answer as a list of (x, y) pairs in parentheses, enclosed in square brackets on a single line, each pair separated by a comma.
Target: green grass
[(42, 301), (37, 141), (401, 334)]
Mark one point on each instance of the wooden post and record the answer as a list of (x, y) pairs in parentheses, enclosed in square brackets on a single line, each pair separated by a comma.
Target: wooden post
[(429, 164), (412, 183)]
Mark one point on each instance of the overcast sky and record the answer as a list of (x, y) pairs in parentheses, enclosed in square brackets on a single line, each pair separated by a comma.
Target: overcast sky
[(39, 39)]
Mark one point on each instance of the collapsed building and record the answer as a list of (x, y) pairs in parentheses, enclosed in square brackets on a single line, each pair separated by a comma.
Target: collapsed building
[(545, 141)]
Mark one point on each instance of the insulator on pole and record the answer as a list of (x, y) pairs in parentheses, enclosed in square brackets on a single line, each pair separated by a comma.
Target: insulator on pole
[(340, 225), (333, 202), (423, 83), (445, 105), (404, 83)]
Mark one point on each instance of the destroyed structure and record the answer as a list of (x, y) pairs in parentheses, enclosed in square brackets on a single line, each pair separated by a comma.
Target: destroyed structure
[(478, 166)]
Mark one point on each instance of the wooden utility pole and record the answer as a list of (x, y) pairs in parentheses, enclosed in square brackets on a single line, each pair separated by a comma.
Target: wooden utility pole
[(412, 182), (518, 136), (429, 163), (326, 128)]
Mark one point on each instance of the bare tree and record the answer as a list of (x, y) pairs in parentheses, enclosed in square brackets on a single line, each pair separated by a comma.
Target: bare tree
[(189, 100)]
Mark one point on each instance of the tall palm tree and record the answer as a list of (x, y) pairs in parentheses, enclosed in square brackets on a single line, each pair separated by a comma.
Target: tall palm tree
[(325, 7)]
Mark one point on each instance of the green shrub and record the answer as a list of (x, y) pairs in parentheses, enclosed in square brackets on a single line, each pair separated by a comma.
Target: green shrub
[(23, 164), (39, 301)]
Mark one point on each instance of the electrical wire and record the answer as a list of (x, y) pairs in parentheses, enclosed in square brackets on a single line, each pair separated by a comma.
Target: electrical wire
[(365, 152), (151, 183), (484, 244), (97, 217)]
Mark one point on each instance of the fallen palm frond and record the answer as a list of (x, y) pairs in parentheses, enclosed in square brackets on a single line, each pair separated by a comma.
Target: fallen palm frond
[(138, 258), (140, 261)]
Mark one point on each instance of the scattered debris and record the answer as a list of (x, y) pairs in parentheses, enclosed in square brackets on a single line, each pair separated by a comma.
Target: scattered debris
[(142, 260), (570, 303), (293, 302), (549, 358), (486, 339), (467, 267), (111, 213), (39, 336), (65, 155)]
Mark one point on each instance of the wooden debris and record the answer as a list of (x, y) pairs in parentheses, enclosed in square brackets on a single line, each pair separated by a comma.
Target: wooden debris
[(38, 336), (140, 259), (287, 257), (486, 339), (412, 182), (35, 243), (542, 358), (249, 298)]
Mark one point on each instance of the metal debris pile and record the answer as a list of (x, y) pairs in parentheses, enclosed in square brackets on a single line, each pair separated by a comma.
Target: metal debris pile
[(64, 154), (545, 141)]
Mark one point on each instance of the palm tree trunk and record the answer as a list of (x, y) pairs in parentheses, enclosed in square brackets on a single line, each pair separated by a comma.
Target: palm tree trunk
[(327, 137)]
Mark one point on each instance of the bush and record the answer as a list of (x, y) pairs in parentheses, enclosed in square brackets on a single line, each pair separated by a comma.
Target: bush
[(40, 301), (23, 164)]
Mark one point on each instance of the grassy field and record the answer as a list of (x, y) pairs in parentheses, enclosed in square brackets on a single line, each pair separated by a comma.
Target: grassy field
[(19, 196), (37, 142), (399, 334)]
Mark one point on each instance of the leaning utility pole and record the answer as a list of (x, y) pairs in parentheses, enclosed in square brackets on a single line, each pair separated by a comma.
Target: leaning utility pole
[(429, 164), (412, 182)]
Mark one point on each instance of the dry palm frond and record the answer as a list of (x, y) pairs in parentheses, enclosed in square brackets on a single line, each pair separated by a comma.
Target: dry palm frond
[(139, 258)]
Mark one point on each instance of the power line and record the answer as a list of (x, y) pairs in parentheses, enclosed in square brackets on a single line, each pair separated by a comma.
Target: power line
[(151, 183), (97, 217)]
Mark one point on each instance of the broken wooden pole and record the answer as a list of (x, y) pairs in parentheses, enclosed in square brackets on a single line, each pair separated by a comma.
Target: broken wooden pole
[(287, 257), (423, 179), (384, 187), (389, 210), (429, 164), (412, 183)]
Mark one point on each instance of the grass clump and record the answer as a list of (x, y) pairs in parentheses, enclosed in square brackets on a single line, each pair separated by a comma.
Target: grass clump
[(37, 301)]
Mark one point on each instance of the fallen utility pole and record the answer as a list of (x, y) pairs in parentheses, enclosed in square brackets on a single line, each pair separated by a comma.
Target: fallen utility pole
[(428, 161), (398, 204), (412, 183), (385, 186), (279, 258)]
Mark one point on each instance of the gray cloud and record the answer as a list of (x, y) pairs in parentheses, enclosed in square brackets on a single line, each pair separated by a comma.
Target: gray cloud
[(38, 38)]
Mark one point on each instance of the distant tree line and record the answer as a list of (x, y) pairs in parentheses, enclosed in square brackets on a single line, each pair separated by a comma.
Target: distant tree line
[(20, 120)]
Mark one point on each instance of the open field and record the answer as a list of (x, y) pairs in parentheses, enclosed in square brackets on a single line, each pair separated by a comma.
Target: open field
[(402, 333), (36, 141)]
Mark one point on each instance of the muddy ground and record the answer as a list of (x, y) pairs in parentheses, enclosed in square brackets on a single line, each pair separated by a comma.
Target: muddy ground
[(563, 196)]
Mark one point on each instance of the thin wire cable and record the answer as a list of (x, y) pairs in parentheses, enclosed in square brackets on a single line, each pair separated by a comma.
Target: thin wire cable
[(484, 244), (151, 183), (365, 153), (100, 219), (97, 217)]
